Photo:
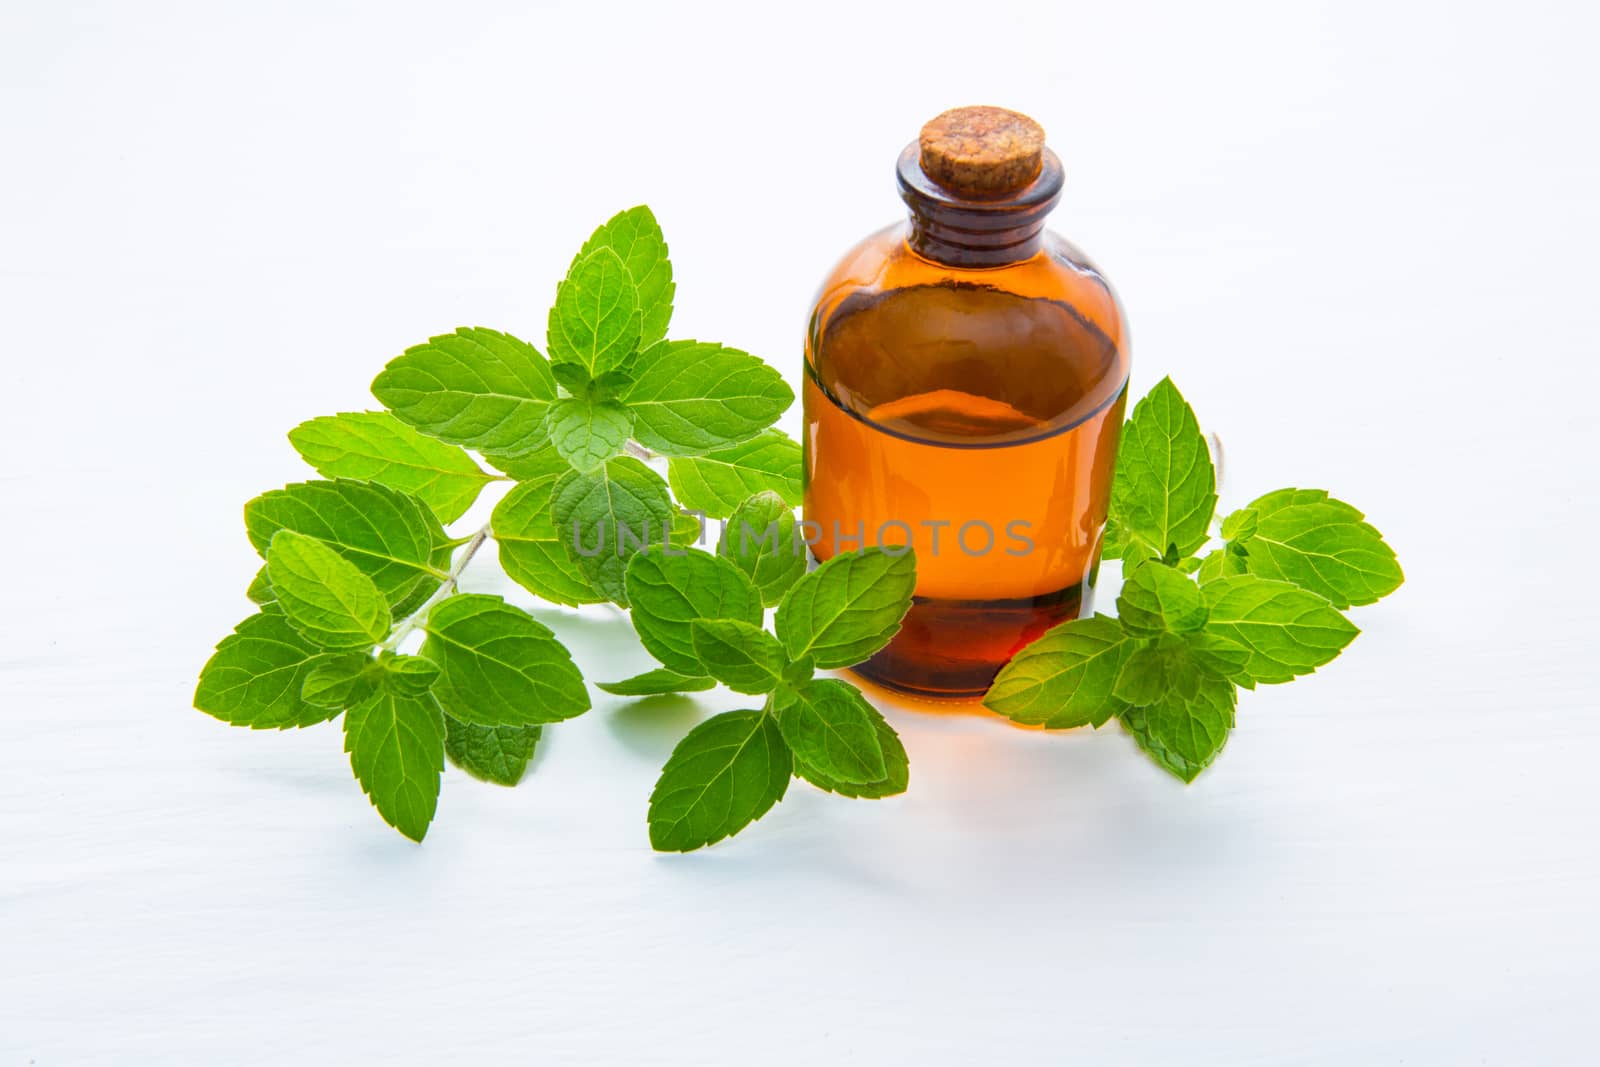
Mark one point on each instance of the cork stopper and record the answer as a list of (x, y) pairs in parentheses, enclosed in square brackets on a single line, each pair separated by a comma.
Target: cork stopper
[(981, 152)]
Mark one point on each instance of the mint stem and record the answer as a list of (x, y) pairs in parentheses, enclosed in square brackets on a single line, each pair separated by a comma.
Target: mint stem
[(452, 578), (634, 448)]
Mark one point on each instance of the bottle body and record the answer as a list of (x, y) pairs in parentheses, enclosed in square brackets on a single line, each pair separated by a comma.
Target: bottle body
[(970, 410)]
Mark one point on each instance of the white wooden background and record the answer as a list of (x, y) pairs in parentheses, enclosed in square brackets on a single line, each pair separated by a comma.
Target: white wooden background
[(1362, 238)]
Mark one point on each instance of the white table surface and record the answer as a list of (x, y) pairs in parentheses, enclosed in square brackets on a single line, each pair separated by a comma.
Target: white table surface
[(1362, 238)]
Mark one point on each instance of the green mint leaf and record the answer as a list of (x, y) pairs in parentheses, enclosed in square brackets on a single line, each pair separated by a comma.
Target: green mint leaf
[(687, 530), (669, 592), (1185, 733), (610, 386), (1287, 630), (689, 398), (475, 387), (1217, 655), (588, 432), (499, 666), (533, 552), (396, 747), (407, 676), (718, 482), (1065, 678), (725, 774), (391, 536), (574, 377), (495, 754), (894, 781), (339, 682), (1221, 562), (606, 515), (635, 236), (799, 672), (1241, 525), (1306, 537), (255, 676), (658, 682), (375, 446), (260, 591), (324, 595), (1156, 667), (761, 538), (542, 465), (743, 657), (830, 728), (595, 321), (848, 608), (1113, 541), (1164, 493), (1157, 599)]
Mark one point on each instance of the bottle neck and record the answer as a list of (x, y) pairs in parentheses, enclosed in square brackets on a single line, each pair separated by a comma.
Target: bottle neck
[(976, 233)]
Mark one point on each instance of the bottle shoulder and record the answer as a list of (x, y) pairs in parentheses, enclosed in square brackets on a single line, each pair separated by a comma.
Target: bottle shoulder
[(1030, 346), (1059, 271)]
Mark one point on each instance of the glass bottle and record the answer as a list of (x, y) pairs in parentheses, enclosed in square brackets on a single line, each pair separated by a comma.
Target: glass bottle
[(965, 379)]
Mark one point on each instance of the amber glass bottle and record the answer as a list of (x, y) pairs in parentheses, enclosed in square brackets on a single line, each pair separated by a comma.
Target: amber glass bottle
[(965, 377)]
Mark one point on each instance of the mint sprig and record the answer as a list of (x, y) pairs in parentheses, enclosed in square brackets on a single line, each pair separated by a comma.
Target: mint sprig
[(700, 615), (1262, 608), (358, 567)]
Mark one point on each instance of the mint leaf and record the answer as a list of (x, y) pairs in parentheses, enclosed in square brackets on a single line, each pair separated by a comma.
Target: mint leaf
[(375, 446), (635, 237), (1216, 654), (260, 591), (725, 774), (1156, 599), (798, 673), (743, 657), (1287, 630), (255, 676), (829, 726), (897, 774), (392, 537), (542, 465), (324, 595), (761, 539), (692, 397), (1221, 562), (1065, 678), (346, 680), (396, 747), (595, 321), (408, 676), (588, 432), (848, 608), (339, 682), (475, 387), (719, 481), (1241, 525), (1306, 537), (1154, 668), (1164, 493), (687, 530), (606, 515), (495, 754), (574, 377), (533, 552), (499, 666), (669, 592), (1185, 733), (658, 682)]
